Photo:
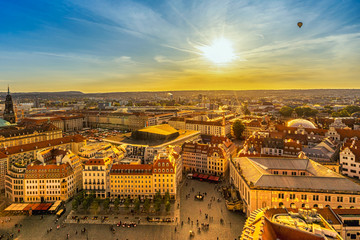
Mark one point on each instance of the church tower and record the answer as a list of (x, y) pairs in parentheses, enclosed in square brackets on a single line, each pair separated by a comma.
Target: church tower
[(9, 114)]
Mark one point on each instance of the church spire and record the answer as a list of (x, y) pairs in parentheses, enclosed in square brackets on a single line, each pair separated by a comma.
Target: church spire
[(8, 89)]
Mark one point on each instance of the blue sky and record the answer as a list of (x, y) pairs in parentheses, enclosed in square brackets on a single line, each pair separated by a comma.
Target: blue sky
[(93, 45)]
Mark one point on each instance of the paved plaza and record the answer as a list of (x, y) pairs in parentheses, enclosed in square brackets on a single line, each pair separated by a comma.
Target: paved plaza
[(35, 228)]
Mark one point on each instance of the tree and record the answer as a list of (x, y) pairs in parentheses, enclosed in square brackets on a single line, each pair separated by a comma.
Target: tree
[(351, 109), (86, 203), (157, 205), (238, 129), (127, 202), (167, 196), (299, 111), (167, 206), (136, 204), (117, 203), (341, 113), (157, 196), (96, 205), (106, 203), (246, 111), (286, 111), (75, 204), (147, 205)]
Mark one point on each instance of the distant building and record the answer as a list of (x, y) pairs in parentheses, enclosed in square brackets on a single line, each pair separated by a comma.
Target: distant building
[(350, 158), (210, 157), (11, 136), (9, 114), (146, 143)]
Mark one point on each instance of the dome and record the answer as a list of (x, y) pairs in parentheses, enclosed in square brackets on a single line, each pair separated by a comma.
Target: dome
[(4, 123), (300, 123)]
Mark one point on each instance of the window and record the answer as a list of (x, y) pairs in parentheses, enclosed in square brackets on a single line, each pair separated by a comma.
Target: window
[(292, 196), (276, 172), (315, 197), (293, 173), (328, 198), (339, 199), (281, 195), (284, 173), (352, 199)]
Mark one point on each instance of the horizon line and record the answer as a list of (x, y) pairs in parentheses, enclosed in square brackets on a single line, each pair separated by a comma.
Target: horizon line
[(149, 91)]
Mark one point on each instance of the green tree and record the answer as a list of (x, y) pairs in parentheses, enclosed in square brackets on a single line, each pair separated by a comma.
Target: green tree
[(246, 111), (167, 206), (341, 113), (299, 111), (136, 204), (351, 109), (157, 205), (147, 205), (75, 204), (106, 203), (167, 196), (157, 196), (86, 203), (127, 202), (238, 129), (117, 203), (286, 111)]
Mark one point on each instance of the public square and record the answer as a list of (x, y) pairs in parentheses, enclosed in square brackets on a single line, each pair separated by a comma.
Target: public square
[(35, 228)]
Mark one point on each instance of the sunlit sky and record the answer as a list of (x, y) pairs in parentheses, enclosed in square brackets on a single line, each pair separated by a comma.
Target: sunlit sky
[(107, 46)]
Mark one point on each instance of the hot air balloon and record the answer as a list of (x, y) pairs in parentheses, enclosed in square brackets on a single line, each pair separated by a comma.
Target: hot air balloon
[(299, 24)]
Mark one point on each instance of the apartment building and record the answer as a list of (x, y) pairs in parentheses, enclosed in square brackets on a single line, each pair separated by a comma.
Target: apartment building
[(95, 176)]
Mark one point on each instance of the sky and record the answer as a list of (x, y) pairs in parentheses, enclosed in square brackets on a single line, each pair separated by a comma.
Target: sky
[(158, 45)]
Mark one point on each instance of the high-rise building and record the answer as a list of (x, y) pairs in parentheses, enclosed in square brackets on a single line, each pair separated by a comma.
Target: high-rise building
[(9, 114)]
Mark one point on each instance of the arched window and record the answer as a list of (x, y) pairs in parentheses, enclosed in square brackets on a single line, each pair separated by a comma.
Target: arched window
[(281, 204)]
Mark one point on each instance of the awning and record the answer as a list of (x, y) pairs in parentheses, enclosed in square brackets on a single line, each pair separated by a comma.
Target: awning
[(195, 175), (205, 176), (55, 206), (27, 208), (214, 178), (9, 208)]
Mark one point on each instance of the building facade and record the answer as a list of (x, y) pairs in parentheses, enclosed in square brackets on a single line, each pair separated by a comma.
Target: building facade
[(290, 182), (95, 176)]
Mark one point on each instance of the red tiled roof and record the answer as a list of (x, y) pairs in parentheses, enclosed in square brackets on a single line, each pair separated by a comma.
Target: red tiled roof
[(348, 133), (40, 145), (131, 169), (95, 161)]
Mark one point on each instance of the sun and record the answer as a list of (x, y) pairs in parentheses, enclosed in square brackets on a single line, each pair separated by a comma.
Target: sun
[(219, 52)]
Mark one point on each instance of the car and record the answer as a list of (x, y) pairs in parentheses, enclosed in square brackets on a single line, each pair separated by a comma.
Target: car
[(94, 218), (85, 217)]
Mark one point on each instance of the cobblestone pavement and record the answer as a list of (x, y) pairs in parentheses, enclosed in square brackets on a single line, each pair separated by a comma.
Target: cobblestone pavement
[(35, 228)]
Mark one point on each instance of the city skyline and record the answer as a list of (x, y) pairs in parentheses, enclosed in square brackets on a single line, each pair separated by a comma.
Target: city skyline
[(111, 46)]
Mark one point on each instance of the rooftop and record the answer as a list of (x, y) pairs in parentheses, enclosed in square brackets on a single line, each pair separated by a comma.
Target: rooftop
[(256, 172)]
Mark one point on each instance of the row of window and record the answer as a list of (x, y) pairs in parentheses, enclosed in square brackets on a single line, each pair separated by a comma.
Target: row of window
[(316, 197), (292, 173)]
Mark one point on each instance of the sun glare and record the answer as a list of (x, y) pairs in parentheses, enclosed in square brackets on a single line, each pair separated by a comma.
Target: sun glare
[(219, 52)]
